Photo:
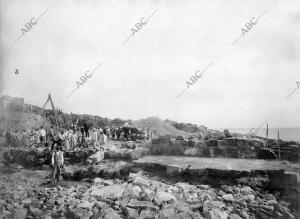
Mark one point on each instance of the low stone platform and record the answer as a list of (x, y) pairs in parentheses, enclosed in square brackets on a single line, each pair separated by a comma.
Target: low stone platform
[(280, 175), (219, 163)]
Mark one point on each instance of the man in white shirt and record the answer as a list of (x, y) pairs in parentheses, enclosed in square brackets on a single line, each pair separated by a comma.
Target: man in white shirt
[(43, 135), (102, 138), (57, 162), (94, 136)]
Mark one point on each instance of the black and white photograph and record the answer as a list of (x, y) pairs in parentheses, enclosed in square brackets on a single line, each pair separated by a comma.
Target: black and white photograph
[(149, 109)]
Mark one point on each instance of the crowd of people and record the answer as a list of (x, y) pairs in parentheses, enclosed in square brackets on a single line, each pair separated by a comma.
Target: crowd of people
[(72, 137), (60, 140)]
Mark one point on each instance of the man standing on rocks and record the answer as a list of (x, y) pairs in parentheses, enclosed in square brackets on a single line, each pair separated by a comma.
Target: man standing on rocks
[(43, 135), (118, 132), (108, 133), (67, 140), (82, 135), (102, 138), (57, 162), (51, 132), (94, 137), (86, 130), (73, 139), (113, 133)]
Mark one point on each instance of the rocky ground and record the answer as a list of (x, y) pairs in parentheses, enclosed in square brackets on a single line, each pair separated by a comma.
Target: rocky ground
[(29, 194), (109, 186)]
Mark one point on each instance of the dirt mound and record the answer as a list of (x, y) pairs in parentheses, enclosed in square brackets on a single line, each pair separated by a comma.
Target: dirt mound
[(159, 127)]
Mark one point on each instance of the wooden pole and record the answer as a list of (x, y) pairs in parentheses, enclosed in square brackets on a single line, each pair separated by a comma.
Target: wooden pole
[(267, 134), (278, 143)]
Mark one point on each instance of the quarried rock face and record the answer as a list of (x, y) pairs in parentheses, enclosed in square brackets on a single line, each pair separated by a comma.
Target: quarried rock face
[(42, 156), (127, 154), (106, 169), (232, 147)]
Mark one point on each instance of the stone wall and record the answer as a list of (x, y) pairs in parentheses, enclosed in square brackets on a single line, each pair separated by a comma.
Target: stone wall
[(227, 147)]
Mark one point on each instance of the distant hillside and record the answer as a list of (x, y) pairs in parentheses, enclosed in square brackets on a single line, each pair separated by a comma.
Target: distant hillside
[(22, 121), (159, 127), (18, 115), (187, 127)]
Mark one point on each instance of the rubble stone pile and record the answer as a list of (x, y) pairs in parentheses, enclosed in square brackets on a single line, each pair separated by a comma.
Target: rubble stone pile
[(139, 196)]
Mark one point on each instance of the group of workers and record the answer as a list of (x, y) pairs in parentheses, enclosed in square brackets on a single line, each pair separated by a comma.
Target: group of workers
[(74, 136), (65, 140)]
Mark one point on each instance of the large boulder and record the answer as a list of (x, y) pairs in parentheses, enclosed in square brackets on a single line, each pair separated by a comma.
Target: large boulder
[(216, 214), (113, 192), (213, 205), (167, 213), (96, 158), (149, 194), (228, 197), (139, 180), (20, 213), (186, 188), (147, 214), (164, 197), (191, 152), (134, 191), (136, 204), (86, 205), (110, 213), (131, 213)]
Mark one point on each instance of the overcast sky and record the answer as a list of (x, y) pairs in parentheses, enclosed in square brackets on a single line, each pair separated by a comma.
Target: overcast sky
[(247, 83)]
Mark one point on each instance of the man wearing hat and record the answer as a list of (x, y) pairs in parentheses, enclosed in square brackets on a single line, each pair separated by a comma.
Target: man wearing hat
[(94, 136), (57, 161)]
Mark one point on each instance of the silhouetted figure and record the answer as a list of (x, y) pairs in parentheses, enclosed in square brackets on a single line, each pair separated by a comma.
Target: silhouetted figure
[(86, 129), (118, 133)]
